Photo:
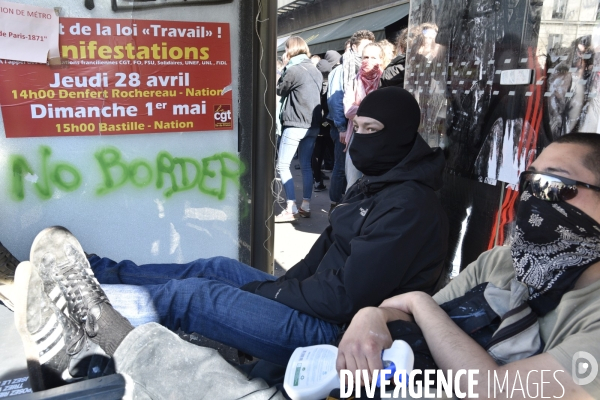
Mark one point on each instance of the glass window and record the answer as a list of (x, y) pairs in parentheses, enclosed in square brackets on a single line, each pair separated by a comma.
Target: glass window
[(457, 51), (554, 41), (558, 11)]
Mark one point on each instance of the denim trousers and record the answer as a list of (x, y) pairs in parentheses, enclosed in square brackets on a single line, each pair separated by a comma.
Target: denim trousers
[(337, 184), (303, 140), (203, 296)]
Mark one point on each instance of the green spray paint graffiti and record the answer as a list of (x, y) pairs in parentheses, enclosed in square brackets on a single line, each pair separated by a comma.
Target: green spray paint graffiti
[(50, 174), (171, 174)]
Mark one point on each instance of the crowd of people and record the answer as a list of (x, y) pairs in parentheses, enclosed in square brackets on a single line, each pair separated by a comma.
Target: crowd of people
[(375, 274), (365, 66)]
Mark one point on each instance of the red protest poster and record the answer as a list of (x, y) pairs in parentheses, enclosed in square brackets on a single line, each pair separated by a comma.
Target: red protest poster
[(122, 77)]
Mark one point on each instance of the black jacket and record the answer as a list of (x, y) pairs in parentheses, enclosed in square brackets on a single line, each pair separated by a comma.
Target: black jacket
[(393, 74), (388, 236), (301, 84)]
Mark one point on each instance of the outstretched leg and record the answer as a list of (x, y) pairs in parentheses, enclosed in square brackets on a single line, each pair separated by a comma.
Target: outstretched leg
[(212, 306), (66, 321)]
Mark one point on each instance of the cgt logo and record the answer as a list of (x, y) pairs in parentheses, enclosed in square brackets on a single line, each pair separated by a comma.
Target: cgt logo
[(584, 368), (223, 118)]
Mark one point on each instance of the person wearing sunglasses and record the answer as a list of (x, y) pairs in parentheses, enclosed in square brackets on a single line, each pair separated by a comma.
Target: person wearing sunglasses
[(528, 312), (551, 187)]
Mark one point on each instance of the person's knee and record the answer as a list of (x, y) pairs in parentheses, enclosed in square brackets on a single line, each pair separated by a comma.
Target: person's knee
[(284, 172), (105, 269), (338, 171), (213, 263), (222, 260), (282, 165)]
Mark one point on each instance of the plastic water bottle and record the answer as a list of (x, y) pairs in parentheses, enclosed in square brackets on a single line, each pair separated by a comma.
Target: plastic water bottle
[(311, 375)]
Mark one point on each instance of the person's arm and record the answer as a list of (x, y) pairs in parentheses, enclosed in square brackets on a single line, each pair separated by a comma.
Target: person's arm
[(378, 261), (286, 83), (452, 349), (335, 99), (305, 267)]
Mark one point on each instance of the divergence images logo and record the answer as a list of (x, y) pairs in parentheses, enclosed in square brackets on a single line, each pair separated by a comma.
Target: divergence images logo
[(584, 368), (223, 118)]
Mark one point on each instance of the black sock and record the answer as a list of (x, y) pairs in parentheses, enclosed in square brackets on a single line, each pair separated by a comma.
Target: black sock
[(112, 329)]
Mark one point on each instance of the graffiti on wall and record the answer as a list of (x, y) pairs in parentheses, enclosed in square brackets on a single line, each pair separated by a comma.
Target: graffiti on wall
[(170, 174)]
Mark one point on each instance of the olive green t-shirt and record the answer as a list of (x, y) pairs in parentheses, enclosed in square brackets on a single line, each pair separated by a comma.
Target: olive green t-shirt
[(572, 327)]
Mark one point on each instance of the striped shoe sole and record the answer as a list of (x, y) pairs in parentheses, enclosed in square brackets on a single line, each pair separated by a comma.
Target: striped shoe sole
[(40, 330)]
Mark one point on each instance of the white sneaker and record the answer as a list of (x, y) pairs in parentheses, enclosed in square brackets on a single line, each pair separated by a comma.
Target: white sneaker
[(286, 216)]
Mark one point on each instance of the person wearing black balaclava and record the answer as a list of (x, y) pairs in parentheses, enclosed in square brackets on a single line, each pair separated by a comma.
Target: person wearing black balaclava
[(389, 232), (387, 236), (375, 153), (531, 308)]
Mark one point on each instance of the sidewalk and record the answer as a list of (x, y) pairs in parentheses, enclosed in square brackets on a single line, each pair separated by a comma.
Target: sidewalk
[(294, 240)]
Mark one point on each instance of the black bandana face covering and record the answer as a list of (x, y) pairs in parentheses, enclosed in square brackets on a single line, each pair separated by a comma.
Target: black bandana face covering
[(554, 244)]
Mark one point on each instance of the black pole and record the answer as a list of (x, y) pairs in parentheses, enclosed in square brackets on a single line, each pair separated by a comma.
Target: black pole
[(263, 138), (257, 130)]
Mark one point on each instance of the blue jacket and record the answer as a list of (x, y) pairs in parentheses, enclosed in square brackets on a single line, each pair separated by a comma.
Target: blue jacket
[(335, 99)]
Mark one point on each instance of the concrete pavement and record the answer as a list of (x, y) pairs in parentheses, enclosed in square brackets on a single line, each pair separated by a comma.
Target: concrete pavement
[(293, 240)]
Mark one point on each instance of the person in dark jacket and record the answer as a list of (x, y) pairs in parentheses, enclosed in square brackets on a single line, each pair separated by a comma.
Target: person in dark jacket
[(334, 59), (323, 142), (388, 236), (300, 90), (393, 75)]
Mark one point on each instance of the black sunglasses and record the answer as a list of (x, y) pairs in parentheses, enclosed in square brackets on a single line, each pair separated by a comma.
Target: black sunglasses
[(551, 187)]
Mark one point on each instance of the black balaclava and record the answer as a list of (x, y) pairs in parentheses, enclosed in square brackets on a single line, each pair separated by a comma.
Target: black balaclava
[(554, 244), (374, 154)]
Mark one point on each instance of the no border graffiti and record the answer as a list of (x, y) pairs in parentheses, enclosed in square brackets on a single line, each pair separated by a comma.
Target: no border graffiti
[(209, 175)]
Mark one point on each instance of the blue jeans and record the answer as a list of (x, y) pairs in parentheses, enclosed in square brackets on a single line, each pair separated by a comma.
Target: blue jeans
[(337, 185), (303, 140), (204, 297)]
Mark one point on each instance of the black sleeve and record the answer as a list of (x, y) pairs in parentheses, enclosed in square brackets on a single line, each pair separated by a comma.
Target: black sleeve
[(251, 286), (305, 267), (393, 76), (379, 259)]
